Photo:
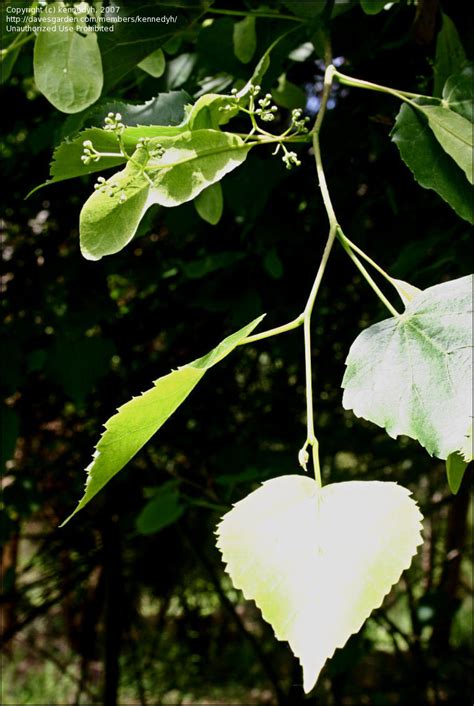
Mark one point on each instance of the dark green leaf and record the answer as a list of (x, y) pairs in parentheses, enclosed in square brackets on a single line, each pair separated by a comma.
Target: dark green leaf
[(288, 95), (67, 64), (77, 364), (7, 62), (162, 510), (164, 109), (455, 468), (136, 421), (308, 10), (455, 135), (210, 263), (412, 374), (245, 39), (210, 204), (272, 264), (450, 55), (431, 166), (154, 64)]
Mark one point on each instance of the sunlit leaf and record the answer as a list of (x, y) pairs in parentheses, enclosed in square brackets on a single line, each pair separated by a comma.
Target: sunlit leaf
[(192, 161), (137, 420), (154, 64), (412, 374), (318, 561), (67, 63), (110, 217)]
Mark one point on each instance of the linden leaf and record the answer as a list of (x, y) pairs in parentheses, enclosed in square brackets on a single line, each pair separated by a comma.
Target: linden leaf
[(317, 561), (411, 374), (136, 421), (67, 63)]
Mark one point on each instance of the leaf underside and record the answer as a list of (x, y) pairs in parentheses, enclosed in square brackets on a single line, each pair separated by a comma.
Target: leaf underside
[(192, 162), (412, 374), (318, 561)]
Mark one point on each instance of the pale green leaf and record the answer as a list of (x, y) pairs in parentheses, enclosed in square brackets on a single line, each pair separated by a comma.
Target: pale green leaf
[(458, 93), (455, 135), (467, 450), (110, 217), (67, 64), (450, 55), (317, 561), (412, 374), (455, 468), (192, 162), (154, 64), (406, 290), (308, 10), (162, 510), (211, 111), (137, 420), (245, 39), (210, 204), (431, 166)]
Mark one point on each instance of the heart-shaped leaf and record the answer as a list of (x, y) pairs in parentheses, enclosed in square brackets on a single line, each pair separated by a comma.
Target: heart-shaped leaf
[(317, 561), (412, 374)]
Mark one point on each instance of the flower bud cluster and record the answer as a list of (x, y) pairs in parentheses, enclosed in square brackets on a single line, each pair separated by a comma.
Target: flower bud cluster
[(110, 189), (298, 123), (290, 158), (89, 153), (113, 123), (155, 151)]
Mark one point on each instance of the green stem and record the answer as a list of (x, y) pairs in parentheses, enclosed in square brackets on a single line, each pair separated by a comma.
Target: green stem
[(343, 240), (359, 83), (274, 331), (311, 438), (342, 237), (17, 43)]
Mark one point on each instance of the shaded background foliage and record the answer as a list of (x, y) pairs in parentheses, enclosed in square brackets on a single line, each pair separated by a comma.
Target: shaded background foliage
[(98, 612)]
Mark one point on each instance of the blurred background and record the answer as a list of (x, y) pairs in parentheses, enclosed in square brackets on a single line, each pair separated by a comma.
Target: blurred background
[(129, 602)]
